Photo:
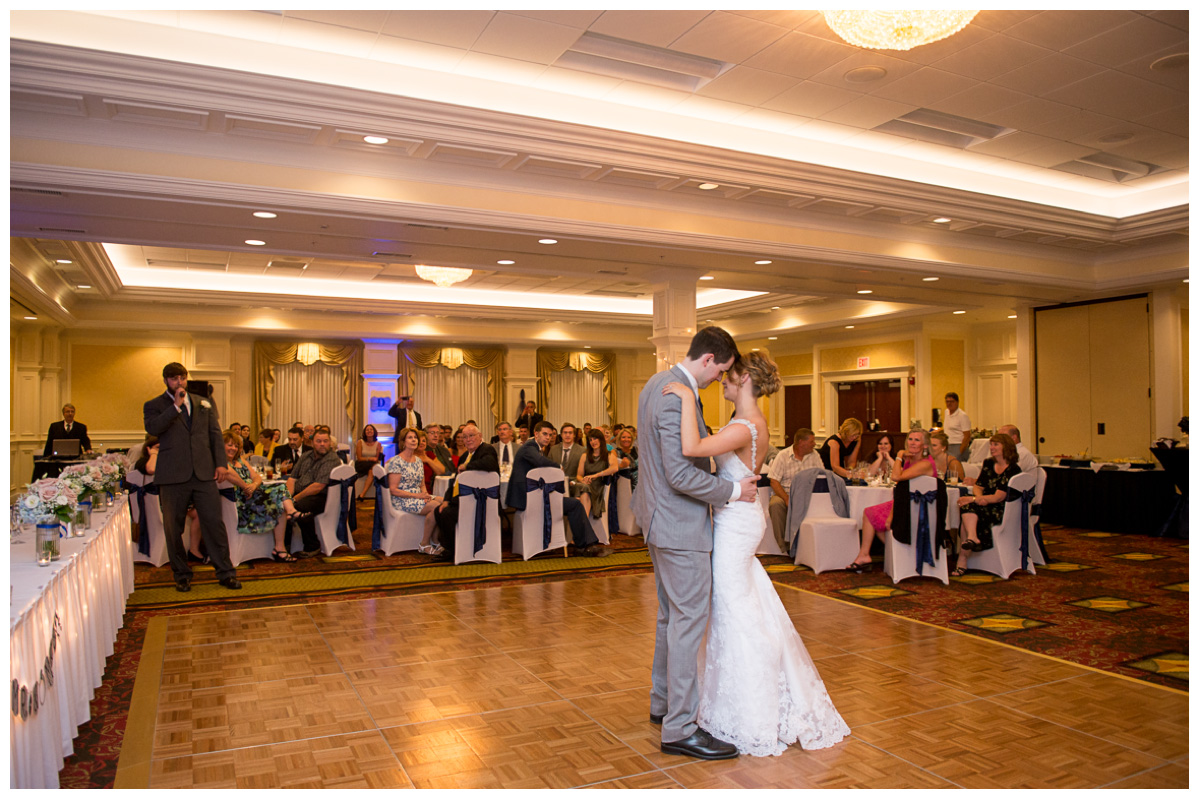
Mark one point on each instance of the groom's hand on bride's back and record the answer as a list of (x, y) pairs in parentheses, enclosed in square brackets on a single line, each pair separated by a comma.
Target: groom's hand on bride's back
[(749, 489)]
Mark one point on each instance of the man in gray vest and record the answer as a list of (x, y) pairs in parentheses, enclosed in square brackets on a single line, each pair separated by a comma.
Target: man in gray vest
[(673, 505)]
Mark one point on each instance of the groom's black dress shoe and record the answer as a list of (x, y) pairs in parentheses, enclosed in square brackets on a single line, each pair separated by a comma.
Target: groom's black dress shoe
[(657, 718), (701, 744), (231, 583)]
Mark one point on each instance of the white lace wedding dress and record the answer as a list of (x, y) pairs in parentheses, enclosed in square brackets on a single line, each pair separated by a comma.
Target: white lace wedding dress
[(759, 690)]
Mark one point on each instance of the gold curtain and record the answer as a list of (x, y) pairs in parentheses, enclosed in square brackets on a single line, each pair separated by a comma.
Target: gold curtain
[(347, 356), (549, 361), (492, 361)]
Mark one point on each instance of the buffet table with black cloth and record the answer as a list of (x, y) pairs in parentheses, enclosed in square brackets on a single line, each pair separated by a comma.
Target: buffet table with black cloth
[(1117, 501), (63, 620)]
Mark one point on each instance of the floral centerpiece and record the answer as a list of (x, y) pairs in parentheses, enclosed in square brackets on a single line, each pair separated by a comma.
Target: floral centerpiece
[(49, 497), (88, 480), (114, 467)]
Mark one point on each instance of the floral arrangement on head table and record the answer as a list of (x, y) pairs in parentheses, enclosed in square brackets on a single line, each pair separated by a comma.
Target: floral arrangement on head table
[(49, 497)]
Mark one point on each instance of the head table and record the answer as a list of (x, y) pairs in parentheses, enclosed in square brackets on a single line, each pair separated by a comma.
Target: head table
[(63, 620)]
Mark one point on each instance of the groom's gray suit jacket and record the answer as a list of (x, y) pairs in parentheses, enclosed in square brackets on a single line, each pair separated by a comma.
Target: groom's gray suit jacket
[(674, 492)]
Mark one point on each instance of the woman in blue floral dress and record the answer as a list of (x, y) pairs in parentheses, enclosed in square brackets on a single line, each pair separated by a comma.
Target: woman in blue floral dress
[(406, 486), (259, 507)]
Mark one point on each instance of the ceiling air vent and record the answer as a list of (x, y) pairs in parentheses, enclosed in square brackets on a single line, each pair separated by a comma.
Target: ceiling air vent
[(935, 127), (383, 254), (633, 61), (426, 227), (1107, 167), (61, 230), (613, 293), (49, 192)]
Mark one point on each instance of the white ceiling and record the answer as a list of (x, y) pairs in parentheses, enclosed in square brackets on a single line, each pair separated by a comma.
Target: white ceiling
[(784, 134)]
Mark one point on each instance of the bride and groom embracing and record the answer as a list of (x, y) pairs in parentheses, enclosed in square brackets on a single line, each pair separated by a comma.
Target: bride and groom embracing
[(754, 689)]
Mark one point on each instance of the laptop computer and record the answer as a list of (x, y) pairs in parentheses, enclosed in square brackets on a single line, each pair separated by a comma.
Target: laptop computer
[(65, 448)]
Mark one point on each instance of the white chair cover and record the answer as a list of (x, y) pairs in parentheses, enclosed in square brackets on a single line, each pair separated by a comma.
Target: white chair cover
[(243, 547), (767, 546), (401, 530), (600, 526), (529, 525), (1005, 556), (972, 470), (825, 540), (153, 522), (464, 533), (626, 522), (900, 560)]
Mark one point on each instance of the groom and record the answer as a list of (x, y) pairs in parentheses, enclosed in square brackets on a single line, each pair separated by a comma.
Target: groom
[(672, 504)]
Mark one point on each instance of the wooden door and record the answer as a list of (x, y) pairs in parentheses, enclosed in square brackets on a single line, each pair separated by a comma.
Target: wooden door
[(887, 405), (870, 400), (797, 410), (853, 400)]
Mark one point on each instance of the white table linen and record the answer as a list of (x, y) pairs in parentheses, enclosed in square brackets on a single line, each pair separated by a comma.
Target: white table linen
[(87, 588)]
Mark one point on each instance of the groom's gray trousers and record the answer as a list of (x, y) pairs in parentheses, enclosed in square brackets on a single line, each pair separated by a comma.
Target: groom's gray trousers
[(684, 594)]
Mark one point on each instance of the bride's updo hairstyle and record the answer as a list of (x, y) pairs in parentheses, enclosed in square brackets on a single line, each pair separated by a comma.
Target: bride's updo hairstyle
[(764, 374)]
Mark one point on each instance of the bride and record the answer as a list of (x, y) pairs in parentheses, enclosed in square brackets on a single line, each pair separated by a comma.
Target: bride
[(759, 690)]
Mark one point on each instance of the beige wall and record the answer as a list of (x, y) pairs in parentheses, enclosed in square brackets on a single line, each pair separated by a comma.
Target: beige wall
[(947, 369), (1183, 319), (108, 384), (797, 364), (882, 354)]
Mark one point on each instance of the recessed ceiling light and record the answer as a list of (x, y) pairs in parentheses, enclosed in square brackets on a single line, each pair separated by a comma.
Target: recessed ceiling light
[(848, 327), (506, 261), (83, 286), (30, 316), (707, 186), (587, 347), (255, 242), (265, 214), (763, 262), (942, 219), (864, 291), (930, 278), (375, 139), (1012, 316), (1175, 61), (774, 308), (547, 241), (772, 338), (63, 261), (755, 349), (707, 278), (960, 312)]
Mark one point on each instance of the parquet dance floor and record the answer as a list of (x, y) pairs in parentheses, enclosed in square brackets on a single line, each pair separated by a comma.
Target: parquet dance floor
[(546, 686)]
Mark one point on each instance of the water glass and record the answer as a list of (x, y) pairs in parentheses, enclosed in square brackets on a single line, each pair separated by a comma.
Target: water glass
[(46, 547)]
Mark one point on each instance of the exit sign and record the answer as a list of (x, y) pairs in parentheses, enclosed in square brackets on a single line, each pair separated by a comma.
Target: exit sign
[(864, 362)]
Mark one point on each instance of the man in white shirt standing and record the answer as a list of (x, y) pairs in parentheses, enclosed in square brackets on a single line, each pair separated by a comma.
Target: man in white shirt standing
[(785, 466), (957, 426), (1026, 460)]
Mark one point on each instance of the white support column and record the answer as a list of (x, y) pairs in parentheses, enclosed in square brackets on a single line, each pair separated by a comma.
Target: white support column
[(381, 378), (674, 314), (520, 375), (1026, 379), (1166, 348)]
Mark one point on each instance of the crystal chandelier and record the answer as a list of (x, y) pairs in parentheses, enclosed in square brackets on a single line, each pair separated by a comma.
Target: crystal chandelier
[(443, 276), (896, 30)]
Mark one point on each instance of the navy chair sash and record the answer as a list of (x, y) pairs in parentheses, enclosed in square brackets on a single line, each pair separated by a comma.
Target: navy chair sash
[(377, 522), (820, 485), (547, 517), (1035, 510), (346, 521), (481, 495), (614, 524), (765, 480), (143, 526), (924, 539), (229, 494), (1026, 500)]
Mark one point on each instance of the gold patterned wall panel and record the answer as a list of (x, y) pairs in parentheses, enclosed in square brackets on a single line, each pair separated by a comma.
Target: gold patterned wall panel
[(882, 354), (797, 364), (109, 384), (947, 370)]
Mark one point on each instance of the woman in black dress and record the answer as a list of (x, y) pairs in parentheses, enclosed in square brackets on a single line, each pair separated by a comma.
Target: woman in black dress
[(983, 509), (840, 453)]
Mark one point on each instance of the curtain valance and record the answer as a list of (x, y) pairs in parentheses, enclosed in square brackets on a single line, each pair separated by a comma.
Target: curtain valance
[(550, 361), (491, 361), (348, 356)]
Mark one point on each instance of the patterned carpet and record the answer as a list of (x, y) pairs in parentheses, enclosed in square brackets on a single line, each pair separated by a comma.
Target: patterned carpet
[(1113, 602)]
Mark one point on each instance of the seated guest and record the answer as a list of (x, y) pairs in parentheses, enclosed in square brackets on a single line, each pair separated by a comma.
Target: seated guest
[(275, 436), (406, 485), (798, 457), (530, 456), (882, 462), (285, 457), (259, 507), (477, 456), (597, 462), (840, 452), (432, 467), (147, 458), (626, 455), (1026, 460), (245, 433), (266, 444), (529, 417), (587, 428), (368, 451), (67, 428), (983, 509), (433, 439), (506, 446), (306, 489), (308, 434), (608, 436), (947, 465), (915, 462), (460, 447), (566, 454)]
